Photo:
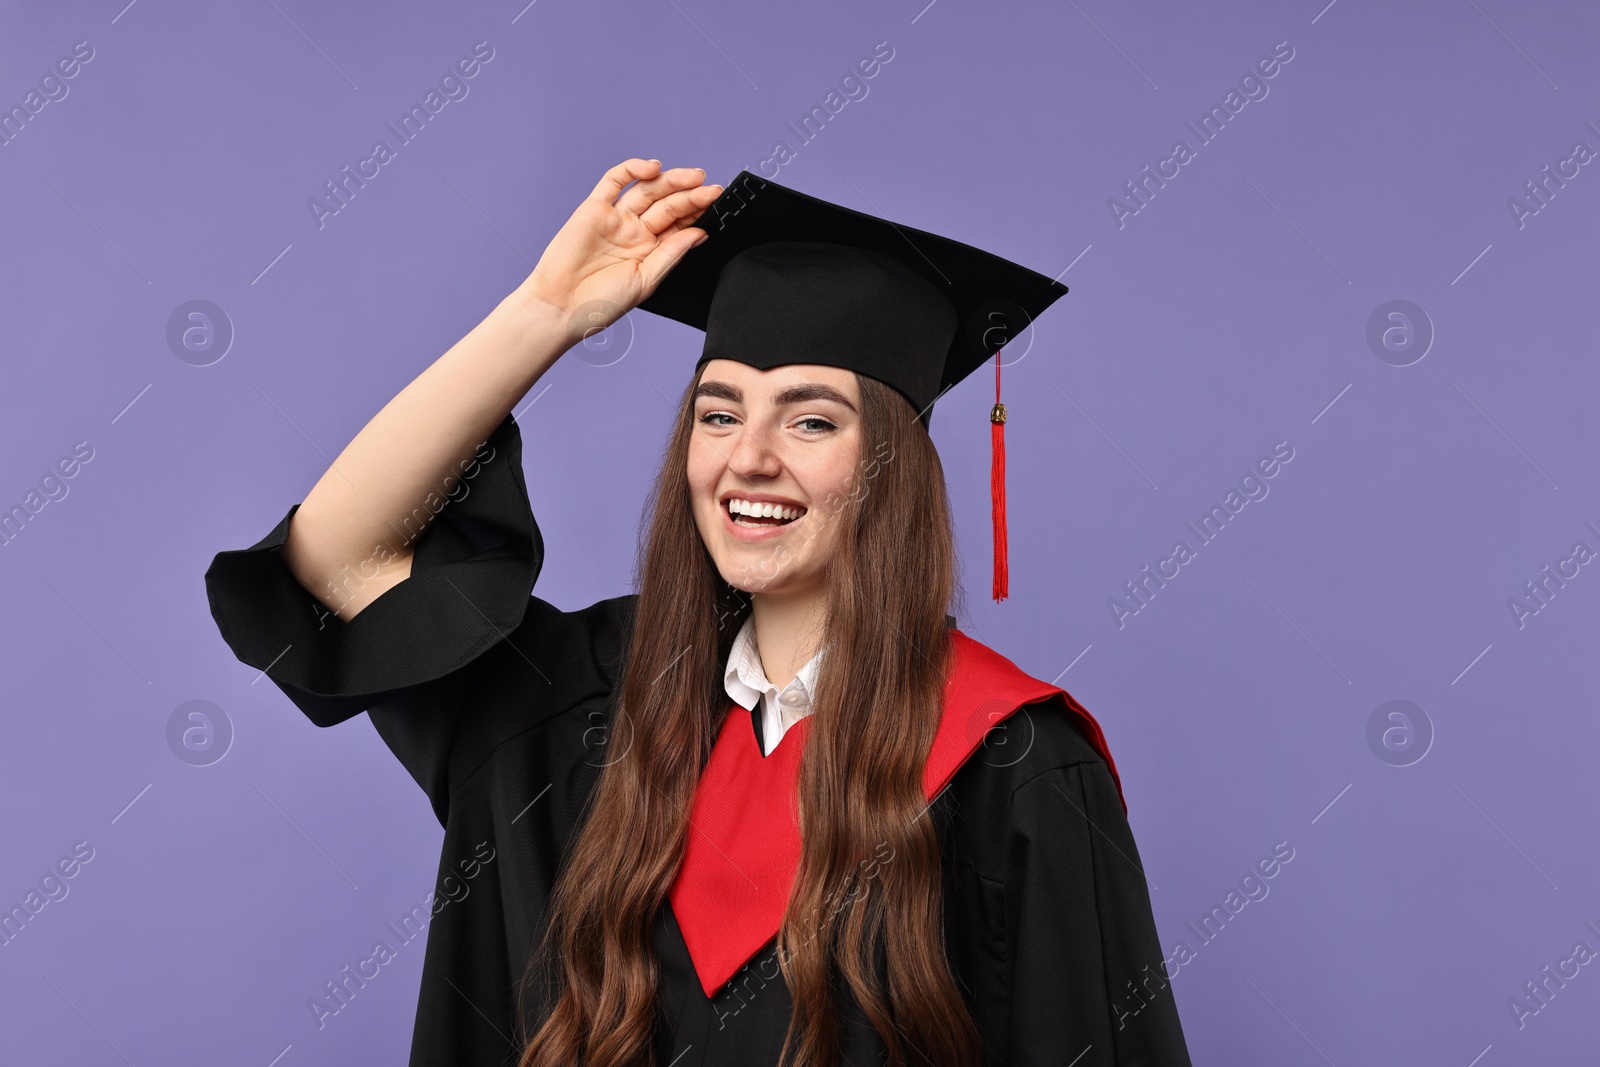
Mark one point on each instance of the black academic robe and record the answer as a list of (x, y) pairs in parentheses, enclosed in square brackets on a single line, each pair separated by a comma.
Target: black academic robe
[(499, 705)]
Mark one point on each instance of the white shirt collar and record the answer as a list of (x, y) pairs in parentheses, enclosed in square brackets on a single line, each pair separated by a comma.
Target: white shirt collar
[(746, 683)]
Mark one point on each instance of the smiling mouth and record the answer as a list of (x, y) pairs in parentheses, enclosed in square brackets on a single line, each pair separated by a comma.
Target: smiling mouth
[(754, 514)]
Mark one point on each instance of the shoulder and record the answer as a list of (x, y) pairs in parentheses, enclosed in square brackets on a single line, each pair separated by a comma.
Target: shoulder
[(554, 665), (1035, 739), (1035, 773), (1009, 718), (1032, 746), (592, 638), (560, 657)]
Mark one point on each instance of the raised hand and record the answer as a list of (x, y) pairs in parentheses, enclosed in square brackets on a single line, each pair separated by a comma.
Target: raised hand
[(620, 242)]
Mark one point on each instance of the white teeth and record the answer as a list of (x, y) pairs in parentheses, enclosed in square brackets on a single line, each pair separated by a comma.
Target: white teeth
[(766, 510)]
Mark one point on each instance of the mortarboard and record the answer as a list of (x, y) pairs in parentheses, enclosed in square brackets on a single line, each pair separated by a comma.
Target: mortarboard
[(783, 278)]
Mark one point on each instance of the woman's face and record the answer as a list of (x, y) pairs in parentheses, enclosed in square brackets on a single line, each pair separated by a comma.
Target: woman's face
[(789, 437)]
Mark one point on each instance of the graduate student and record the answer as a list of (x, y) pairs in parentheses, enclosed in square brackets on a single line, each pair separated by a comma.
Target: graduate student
[(774, 803)]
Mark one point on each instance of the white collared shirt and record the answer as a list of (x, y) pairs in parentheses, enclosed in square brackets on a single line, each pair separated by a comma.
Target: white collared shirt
[(746, 682)]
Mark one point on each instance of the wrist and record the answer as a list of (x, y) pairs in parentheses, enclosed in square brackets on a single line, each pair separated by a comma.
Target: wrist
[(546, 323)]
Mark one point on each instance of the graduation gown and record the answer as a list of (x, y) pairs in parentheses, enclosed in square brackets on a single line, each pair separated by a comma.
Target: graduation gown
[(499, 705)]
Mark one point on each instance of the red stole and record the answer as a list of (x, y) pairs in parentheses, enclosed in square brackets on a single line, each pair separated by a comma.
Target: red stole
[(743, 849)]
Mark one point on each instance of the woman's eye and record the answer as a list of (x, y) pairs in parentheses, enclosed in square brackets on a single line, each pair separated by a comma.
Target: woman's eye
[(710, 417), (816, 424)]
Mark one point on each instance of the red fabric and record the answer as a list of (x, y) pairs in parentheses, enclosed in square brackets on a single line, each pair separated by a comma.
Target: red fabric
[(997, 510), (743, 849)]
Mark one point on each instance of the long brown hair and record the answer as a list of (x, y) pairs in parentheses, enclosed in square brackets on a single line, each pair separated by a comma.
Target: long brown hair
[(890, 579)]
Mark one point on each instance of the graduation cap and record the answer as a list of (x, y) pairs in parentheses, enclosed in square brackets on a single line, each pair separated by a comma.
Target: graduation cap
[(783, 278)]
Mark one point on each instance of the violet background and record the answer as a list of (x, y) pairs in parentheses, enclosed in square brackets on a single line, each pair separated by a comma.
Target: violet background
[(1204, 330)]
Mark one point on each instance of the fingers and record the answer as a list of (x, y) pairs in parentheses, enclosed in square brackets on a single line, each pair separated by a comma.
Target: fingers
[(647, 191), (680, 209), (619, 176), (665, 256)]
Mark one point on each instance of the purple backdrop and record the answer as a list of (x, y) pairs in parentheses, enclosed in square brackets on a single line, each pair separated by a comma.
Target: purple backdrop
[(1374, 259)]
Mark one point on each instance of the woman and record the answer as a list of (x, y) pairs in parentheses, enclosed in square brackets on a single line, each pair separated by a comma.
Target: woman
[(757, 809)]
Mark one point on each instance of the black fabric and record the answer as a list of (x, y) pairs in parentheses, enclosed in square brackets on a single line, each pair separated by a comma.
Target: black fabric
[(836, 305), (784, 277), (501, 711)]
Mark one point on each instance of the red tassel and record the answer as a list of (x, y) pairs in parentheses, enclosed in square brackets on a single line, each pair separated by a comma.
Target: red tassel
[(997, 488)]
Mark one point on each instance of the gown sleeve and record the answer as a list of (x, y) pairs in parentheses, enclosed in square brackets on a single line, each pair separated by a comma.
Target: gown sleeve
[(405, 656), (1089, 985)]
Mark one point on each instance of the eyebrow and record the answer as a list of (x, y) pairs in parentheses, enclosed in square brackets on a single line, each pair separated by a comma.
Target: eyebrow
[(795, 394)]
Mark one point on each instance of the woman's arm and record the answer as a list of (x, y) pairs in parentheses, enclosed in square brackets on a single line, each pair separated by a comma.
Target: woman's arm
[(1089, 983), (369, 507)]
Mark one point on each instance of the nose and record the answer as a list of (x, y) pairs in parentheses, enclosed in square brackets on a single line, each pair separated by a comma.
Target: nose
[(754, 453)]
